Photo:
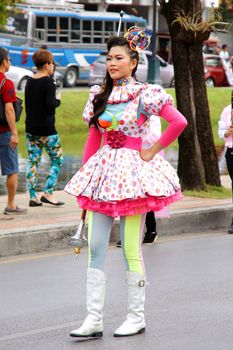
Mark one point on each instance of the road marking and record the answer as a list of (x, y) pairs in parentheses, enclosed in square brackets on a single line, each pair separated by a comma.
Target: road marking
[(37, 331)]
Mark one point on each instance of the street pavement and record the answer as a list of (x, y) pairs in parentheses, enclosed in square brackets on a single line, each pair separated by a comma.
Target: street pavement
[(50, 227), (188, 303)]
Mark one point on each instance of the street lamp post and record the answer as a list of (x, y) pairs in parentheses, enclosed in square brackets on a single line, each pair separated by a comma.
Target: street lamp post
[(153, 75)]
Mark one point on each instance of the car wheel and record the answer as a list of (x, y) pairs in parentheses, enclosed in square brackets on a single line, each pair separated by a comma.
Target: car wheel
[(71, 77), (22, 83), (172, 84), (210, 82)]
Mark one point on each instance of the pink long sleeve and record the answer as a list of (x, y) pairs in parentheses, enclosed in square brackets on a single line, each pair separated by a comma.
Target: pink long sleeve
[(92, 143), (177, 123)]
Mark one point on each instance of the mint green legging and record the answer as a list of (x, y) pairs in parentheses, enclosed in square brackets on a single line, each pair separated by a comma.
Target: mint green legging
[(131, 230)]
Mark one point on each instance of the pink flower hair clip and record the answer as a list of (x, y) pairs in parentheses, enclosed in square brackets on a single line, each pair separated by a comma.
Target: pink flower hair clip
[(138, 38)]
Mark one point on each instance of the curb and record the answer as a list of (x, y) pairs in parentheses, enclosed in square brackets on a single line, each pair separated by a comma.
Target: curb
[(196, 220), (41, 238)]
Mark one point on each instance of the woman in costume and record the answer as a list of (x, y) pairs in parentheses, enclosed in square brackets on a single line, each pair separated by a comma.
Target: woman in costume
[(122, 179)]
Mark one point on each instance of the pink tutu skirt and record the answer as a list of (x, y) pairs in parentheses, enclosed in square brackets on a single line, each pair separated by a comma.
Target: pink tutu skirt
[(117, 182)]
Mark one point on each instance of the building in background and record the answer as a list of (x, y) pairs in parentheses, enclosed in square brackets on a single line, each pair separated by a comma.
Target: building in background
[(144, 8)]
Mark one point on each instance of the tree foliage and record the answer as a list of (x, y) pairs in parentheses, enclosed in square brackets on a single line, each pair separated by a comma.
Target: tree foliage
[(4, 4), (198, 163)]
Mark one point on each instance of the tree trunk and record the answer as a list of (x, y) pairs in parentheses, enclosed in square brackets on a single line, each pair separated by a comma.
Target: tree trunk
[(190, 168), (203, 123)]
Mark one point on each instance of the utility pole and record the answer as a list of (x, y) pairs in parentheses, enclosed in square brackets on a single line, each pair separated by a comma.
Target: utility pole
[(153, 75)]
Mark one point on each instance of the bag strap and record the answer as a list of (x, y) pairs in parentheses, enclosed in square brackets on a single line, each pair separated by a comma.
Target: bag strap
[(1, 84)]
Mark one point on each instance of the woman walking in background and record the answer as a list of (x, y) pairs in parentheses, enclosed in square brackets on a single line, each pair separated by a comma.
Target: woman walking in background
[(121, 178), (225, 131), (40, 103)]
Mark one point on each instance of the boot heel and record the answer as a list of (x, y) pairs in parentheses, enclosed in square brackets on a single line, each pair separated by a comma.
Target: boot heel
[(130, 334), (97, 335), (142, 330)]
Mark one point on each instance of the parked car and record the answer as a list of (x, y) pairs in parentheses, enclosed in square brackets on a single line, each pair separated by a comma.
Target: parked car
[(19, 76), (98, 68), (214, 72)]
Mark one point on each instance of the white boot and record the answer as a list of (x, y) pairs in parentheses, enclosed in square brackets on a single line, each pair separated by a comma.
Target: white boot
[(93, 323), (135, 322)]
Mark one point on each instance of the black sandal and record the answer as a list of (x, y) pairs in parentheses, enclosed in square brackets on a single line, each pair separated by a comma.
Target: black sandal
[(33, 203), (45, 200)]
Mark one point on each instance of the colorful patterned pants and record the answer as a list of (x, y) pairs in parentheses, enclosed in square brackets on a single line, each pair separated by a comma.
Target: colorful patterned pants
[(35, 145), (131, 230)]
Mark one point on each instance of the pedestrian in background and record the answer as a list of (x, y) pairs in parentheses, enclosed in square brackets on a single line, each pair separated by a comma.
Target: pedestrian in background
[(225, 131), (9, 138), (226, 63), (122, 179), (40, 103)]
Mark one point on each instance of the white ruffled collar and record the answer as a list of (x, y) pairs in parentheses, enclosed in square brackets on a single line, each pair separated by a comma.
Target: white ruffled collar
[(124, 91)]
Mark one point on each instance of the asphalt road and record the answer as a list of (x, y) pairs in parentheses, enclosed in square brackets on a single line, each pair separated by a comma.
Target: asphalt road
[(189, 303)]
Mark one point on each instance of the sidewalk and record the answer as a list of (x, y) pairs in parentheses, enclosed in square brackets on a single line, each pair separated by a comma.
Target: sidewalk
[(50, 227)]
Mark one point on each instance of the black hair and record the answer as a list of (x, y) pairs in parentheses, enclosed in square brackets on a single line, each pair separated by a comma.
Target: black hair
[(3, 55), (224, 46), (100, 100)]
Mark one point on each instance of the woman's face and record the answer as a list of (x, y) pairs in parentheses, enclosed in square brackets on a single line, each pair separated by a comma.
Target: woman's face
[(119, 63), (51, 67)]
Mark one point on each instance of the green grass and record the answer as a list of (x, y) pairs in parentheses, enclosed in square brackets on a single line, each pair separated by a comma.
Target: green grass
[(211, 192)]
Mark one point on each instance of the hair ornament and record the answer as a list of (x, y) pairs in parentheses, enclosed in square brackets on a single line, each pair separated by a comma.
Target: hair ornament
[(138, 38)]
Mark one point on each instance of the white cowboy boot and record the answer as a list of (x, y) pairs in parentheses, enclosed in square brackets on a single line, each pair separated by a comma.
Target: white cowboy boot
[(135, 322), (93, 323)]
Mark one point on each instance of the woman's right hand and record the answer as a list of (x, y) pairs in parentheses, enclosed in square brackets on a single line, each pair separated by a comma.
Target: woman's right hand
[(147, 155)]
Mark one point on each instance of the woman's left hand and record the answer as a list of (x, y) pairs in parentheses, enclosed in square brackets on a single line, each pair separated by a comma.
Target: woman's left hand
[(147, 155)]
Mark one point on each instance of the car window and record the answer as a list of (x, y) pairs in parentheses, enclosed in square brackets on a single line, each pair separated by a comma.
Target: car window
[(212, 61), (101, 59)]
